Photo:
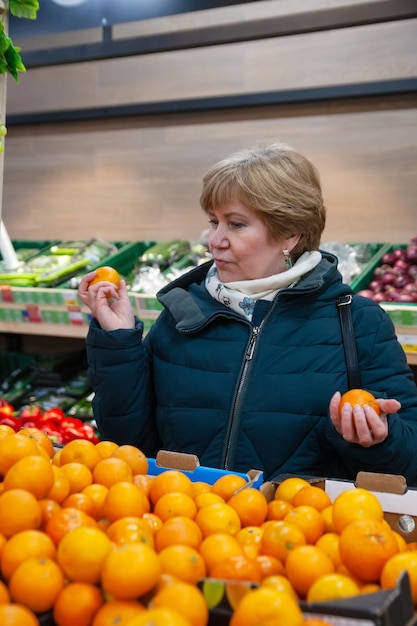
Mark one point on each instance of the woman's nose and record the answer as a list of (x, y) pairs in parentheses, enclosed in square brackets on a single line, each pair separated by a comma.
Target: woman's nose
[(218, 238)]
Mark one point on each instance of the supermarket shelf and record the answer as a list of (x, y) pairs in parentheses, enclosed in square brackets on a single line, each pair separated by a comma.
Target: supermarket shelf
[(49, 330)]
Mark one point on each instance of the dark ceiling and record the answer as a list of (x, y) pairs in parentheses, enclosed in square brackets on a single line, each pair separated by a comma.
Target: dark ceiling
[(52, 18)]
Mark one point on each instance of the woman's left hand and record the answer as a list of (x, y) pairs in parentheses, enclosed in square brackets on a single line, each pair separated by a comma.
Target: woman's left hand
[(361, 424)]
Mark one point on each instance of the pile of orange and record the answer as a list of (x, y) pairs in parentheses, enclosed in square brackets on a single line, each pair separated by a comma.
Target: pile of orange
[(89, 536)]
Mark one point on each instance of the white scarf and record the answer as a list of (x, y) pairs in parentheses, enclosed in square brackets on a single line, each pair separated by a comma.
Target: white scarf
[(241, 295)]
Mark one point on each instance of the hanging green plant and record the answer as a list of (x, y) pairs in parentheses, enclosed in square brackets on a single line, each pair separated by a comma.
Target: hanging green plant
[(10, 59)]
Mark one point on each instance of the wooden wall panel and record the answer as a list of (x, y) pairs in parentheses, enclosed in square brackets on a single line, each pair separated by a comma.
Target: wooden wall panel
[(139, 178), (366, 53)]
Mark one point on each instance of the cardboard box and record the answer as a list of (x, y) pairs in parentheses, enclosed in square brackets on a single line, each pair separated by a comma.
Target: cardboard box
[(398, 501)]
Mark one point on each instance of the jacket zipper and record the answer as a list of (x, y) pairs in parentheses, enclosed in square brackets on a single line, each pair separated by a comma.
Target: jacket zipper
[(248, 357)]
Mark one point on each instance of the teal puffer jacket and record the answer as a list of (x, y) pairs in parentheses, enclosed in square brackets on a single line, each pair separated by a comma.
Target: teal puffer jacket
[(247, 396)]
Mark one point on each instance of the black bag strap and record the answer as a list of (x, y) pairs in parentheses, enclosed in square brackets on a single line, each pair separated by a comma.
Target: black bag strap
[(349, 342)]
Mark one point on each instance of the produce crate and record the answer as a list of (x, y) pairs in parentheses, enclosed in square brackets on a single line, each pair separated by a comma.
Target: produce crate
[(190, 466), (26, 250), (390, 607), (403, 315)]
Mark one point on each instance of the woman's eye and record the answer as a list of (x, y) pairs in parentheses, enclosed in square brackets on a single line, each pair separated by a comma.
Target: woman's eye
[(213, 222), (236, 225)]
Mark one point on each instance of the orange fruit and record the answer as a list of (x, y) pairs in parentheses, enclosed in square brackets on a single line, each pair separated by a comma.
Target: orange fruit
[(3, 541), (36, 583), (80, 451), (308, 520), (185, 598), (107, 274), (40, 438), (109, 471), (117, 613), (81, 501), (167, 481), (160, 617), (173, 504), (402, 544), (81, 553), (144, 481), (6, 430), (250, 539), (280, 582), (312, 495), (133, 456), (130, 530), (270, 565), (304, 565), (17, 615), (19, 510), (333, 586), (265, 605), (365, 546), (48, 508), (217, 547), (226, 485), (287, 489), (152, 521), (32, 473), (24, 545), (13, 448), (395, 566), (98, 494), (278, 509), (4, 593), (65, 520), (130, 571), (124, 499), (329, 543), (327, 515), (205, 498), (218, 518), (183, 562), (238, 567), (369, 588), (251, 506), (78, 474), (60, 486), (179, 530), (56, 459), (76, 604), (361, 397), (355, 504), (199, 486), (279, 538), (106, 448)]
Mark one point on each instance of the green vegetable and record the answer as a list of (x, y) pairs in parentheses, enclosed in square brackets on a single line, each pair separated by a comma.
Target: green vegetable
[(165, 253)]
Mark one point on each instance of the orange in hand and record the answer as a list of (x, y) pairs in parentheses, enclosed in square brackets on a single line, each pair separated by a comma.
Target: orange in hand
[(361, 397), (106, 274)]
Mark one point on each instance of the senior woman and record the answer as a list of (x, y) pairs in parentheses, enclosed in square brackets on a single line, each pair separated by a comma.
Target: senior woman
[(245, 365)]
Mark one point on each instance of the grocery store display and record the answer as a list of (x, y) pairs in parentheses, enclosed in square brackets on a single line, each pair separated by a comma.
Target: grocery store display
[(77, 549), (58, 263), (394, 279)]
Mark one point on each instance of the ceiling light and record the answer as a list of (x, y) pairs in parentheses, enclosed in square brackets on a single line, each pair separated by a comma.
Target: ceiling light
[(68, 3)]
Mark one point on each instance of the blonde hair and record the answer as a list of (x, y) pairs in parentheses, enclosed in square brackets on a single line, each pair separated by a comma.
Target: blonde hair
[(281, 185)]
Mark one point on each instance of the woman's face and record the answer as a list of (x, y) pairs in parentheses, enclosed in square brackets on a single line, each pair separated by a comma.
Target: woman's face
[(240, 245)]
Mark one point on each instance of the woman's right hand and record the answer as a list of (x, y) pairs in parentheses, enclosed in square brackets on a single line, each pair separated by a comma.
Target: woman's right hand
[(110, 306)]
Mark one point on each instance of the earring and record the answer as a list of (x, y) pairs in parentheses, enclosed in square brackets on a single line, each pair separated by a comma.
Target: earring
[(288, 262)]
